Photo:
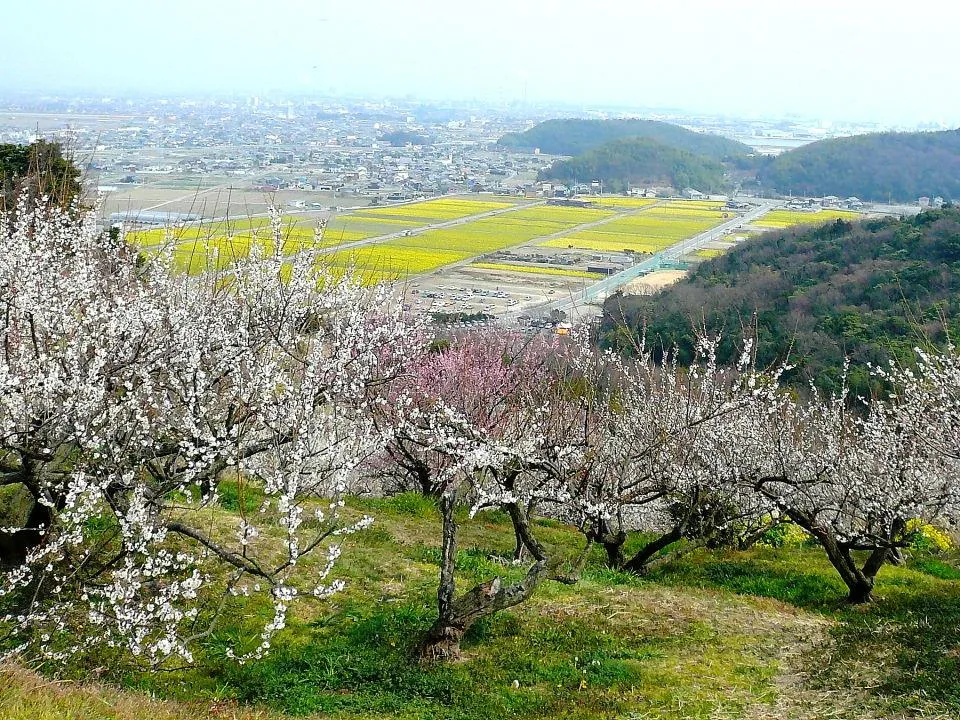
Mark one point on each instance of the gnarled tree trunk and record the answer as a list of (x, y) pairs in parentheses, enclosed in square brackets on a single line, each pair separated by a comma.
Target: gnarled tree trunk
[(640, 562), (859, 580), (612, 543), (458, 614)]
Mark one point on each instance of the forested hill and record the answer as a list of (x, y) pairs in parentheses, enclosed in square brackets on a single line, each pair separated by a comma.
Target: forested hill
[(639, 162), (901, 166), (871, 291), (572, 137)]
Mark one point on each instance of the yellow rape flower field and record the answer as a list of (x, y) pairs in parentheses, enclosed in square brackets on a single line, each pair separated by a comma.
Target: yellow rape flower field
[(216, 245), (433, 249), (646, 232), (779, 219), (436, 210), (623, 203)]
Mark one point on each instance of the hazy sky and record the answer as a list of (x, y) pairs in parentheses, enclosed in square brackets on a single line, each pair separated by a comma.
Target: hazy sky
[(847, 59)]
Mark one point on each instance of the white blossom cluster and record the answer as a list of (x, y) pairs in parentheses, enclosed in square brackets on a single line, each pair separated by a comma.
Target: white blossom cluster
[(131, 395)]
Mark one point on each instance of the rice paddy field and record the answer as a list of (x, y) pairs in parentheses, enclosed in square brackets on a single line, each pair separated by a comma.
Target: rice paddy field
[(779, 219), (649, 231)]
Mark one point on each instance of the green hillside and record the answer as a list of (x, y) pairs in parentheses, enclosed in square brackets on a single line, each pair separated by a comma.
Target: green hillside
[(880, 167), (760, 633), (871, 291), (639, 161), (572, 137)]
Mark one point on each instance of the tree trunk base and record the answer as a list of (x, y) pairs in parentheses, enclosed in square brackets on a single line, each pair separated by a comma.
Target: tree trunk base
[(860, 595), (442, 644)]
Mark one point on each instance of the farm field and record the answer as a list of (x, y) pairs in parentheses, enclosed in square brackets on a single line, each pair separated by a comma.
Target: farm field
[(620, 203), (432, 211), (214, 245), (433, 249), (647, 232), (217, 245), (779, 219)]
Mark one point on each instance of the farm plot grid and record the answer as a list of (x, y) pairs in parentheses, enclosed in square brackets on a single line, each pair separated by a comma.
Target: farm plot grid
[(217, 244), (649, 231), (434, 249)]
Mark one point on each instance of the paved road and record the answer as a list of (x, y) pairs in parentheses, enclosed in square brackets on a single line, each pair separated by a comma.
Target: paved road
[(673, 253)]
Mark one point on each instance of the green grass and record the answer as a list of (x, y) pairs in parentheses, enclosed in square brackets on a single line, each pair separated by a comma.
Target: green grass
[(714, 635)]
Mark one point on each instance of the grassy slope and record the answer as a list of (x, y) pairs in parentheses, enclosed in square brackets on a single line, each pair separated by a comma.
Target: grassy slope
[(759, 634)]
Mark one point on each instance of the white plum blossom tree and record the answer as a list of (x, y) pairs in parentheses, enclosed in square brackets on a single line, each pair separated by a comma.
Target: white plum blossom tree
[(656, 467), (852, 474), (134, 399)]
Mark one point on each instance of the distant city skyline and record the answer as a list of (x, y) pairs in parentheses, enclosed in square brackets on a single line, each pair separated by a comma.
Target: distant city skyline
[(858, 61)]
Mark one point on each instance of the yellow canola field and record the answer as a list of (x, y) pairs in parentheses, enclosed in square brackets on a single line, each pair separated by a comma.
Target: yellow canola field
[(231, 239), (385, 262), (215, 246), (622, 203), (205, 255), (646, 232), (435, 210), (700, 213), (567, 216), (697, 204), (534, 270), (502, 231), (433, 249), (779, 219), (239, 227)]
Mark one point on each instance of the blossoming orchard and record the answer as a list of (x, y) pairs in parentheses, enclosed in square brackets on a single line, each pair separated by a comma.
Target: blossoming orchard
[(180, 446)]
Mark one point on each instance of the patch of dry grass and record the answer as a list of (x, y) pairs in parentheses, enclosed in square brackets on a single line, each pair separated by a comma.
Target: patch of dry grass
[(25, 695)]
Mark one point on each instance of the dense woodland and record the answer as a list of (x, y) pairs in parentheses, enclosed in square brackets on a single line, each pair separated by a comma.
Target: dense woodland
[(883, 166), (572, 137), (639, 161), (870, 291)]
